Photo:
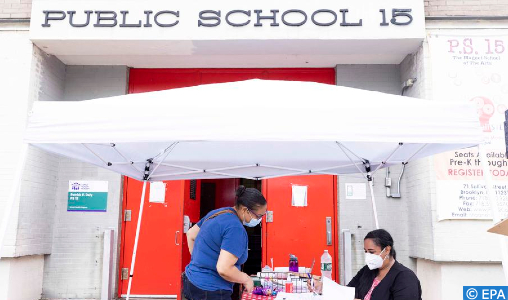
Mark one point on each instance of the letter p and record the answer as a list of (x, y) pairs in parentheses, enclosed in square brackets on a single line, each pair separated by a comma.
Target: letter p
[(47, 16)]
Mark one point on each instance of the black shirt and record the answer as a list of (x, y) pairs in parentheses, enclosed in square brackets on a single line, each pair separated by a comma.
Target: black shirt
[(399, 284)]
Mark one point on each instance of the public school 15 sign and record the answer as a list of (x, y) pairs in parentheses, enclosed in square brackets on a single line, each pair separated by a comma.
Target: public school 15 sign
[(226, 20), (213, 18)]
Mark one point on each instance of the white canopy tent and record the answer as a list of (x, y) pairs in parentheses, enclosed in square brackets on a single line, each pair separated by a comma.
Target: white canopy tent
[(252, 129)]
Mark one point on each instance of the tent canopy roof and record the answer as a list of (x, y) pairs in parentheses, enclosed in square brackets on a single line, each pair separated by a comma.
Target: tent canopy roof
[(251, 129)]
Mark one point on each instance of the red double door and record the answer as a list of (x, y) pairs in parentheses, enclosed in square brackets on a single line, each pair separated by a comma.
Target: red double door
[(162, 251)]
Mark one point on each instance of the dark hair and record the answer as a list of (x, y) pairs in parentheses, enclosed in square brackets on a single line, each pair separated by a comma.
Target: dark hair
[(249, 197), (383, 239)]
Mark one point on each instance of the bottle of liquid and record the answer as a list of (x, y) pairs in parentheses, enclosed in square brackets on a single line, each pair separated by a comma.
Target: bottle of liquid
[(326, 265), (288, 285), (293, 263)]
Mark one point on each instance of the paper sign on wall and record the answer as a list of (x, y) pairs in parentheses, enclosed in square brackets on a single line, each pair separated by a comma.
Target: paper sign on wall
[(469, 68), (157, 192), (356, 191), (299, 197), (87, 196)]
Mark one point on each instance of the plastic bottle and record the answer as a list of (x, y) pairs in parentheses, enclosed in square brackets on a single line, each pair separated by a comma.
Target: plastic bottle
[(326, 265), (289, 285), (293, 263)]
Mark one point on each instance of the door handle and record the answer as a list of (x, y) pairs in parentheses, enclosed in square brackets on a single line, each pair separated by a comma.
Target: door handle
[(328, 231), (176, 237)]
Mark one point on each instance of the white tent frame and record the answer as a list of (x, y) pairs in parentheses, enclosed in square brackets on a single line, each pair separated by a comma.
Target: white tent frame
[(149, 169)]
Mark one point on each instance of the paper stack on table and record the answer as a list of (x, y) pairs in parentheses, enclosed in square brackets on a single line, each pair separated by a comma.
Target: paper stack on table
[(334, 291), (331, 291)]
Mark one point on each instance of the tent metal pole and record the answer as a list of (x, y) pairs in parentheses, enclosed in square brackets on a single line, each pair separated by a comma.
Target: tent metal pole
[(138, 227), (16, 184), (372, 198), (350, 159), (494, 207), (370, 179)]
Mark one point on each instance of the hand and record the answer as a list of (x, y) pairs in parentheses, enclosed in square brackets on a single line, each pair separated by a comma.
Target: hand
[(318, 285), (248, 285)]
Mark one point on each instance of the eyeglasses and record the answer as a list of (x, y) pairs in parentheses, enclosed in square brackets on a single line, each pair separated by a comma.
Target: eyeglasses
[(255, 214)]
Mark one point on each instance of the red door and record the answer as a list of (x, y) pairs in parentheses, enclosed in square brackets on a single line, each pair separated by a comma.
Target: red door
[(302, 231), (162, 252), (160, 240)]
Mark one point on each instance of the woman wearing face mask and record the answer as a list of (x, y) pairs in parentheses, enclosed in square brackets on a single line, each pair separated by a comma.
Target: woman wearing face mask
[(383, 277), (218, 245)]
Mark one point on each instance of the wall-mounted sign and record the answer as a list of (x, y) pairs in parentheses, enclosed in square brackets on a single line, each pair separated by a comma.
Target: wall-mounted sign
[(228, 19), (161, 34), (87, 195), (157, 192), (472, 68), (299, 195), (323, 17), (356, 191)]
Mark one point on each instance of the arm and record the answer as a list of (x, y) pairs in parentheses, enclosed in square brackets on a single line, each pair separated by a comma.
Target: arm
[(354, 282), (406, 287), (227, 270), (191, 237)]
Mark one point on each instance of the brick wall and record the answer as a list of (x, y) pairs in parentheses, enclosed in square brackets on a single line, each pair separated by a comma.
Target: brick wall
[(15, 9), (466, 7), (419, 178), (357, 215), (74, 268), (36, 209)]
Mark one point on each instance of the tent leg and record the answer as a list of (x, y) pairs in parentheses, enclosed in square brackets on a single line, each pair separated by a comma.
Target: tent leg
[(133, 262), (12, 195), (494, 207), (373, 199)]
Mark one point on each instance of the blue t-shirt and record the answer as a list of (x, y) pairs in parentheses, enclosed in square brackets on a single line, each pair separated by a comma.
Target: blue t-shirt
[(222, 232)]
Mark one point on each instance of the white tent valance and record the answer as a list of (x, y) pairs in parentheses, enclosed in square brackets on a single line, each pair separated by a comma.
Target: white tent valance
[(251, 129)]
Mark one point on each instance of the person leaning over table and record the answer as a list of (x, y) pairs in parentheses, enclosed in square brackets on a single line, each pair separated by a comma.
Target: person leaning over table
[(218, 244), (383, 277)]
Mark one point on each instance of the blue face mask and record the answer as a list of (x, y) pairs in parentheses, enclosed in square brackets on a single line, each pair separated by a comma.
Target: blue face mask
[(253, 222)]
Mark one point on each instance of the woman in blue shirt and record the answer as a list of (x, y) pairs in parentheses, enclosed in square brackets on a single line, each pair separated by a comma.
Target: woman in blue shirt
[(218, 244)]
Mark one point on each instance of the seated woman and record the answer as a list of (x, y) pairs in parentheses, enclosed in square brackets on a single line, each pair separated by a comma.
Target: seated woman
[(383, 277)]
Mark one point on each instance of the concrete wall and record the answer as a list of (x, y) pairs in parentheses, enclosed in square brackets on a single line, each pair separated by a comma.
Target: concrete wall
[(445, 280), (466, 7), (21, 278), (74, 268), (381, 78)]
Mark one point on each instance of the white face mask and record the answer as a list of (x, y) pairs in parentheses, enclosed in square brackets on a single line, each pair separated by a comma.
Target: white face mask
[(253, 222), (374, 261)]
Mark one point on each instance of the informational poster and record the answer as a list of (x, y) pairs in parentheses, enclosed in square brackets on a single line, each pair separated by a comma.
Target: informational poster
[(87, 196), (472, 68)]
